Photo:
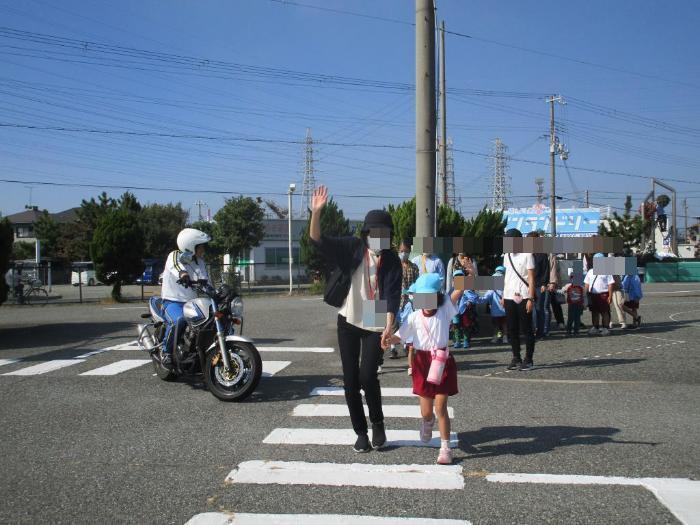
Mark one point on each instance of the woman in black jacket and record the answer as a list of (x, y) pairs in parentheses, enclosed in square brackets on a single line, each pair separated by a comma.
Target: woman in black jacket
[(367, 314)]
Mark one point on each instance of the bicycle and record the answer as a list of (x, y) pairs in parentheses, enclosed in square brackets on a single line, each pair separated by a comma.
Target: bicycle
[(32, 294)]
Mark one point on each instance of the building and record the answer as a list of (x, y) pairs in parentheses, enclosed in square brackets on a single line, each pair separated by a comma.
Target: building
[(24, 221)]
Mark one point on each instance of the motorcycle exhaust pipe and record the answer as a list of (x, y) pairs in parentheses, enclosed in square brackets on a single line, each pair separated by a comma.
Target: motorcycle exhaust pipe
[(146, 339)]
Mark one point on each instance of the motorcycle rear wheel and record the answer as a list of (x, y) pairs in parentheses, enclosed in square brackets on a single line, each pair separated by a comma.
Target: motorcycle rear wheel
[(246, 371)]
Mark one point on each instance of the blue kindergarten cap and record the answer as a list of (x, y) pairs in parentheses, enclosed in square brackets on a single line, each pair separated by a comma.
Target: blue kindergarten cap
[(427, 283), (598, 255)]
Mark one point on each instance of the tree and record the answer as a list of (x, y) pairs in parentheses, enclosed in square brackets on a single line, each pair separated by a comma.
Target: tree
[(22, 250), (240, 225), (333, 224), (116, 249), (129, 202), (48, 232), (404, 219), (488, 224), (160, 224), (631, 228), (6, 238)]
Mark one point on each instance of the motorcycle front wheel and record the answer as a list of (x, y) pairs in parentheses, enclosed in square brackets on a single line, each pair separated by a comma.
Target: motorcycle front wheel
[(241, 380)]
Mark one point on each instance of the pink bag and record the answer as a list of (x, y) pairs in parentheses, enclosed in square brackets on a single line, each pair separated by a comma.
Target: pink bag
[(437, 365)]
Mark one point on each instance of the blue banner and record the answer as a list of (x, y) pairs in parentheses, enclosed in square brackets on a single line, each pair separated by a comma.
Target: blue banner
[(572, 222)]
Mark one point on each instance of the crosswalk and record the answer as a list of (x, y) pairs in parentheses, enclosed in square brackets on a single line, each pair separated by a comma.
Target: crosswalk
[(28, 367), (281, 472)]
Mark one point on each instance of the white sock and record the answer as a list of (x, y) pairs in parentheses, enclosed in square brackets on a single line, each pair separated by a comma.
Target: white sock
[(444, 443)]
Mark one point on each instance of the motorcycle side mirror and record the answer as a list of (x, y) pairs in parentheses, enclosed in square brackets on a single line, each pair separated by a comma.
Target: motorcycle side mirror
[(185, 257)]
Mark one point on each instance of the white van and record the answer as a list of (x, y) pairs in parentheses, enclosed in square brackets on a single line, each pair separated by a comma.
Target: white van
[(86, 274)]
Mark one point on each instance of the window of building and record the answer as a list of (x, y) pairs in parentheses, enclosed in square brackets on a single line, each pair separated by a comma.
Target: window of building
[(280, 256)]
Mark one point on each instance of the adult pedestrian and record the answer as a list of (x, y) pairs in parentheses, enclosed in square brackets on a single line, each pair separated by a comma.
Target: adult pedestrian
[(429, 263), (370, 275), (541, 317), (555, 283), (600, 288), (518, 302)]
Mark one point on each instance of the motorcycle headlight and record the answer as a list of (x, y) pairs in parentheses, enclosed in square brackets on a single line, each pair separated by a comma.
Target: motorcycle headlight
[(237, 307)]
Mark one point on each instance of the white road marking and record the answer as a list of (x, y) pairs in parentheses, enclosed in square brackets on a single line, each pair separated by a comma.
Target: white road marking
[(131, 345), (657, 338), (427, 477), (681, 496), (126, 308), (674, 291), (318, 410), (113, 369), (42, 368), (241, 518), (309, 349), (270, 368), (339, 391), (9, 361), (342, 436), (694, 324), (94, 352)]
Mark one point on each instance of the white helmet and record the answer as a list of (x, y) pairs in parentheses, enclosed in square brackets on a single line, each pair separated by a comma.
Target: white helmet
[(189, 238)]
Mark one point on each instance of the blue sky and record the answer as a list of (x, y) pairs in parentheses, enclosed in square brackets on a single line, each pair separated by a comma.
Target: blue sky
[(94, 85)]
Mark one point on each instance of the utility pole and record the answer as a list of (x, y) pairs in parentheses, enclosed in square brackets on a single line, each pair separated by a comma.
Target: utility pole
[(425, 118), (443, 118), (685, 216), (553, 147), (587, 201)]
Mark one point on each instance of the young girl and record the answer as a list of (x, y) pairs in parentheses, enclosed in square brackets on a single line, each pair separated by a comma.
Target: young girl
[(430, 332)]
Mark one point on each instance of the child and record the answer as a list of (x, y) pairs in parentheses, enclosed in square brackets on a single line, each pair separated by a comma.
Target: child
[(632, 288), (430, 332), (403, 317), (464, 323), (493, 299), (574, 300)]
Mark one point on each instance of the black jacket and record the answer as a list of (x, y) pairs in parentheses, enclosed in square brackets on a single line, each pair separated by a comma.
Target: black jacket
[(541, 269), (347, 253)]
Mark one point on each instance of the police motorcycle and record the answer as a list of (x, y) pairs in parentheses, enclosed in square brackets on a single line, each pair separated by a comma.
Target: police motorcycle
[(208, 345)]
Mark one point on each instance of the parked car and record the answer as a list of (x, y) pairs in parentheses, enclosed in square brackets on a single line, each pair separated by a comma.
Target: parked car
[(153, 269), (84, 271)]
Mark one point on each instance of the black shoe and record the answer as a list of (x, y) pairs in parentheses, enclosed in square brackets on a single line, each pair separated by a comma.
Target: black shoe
[(362, 444), (378, 435), (393, 354), (526, 365), (514, 364)]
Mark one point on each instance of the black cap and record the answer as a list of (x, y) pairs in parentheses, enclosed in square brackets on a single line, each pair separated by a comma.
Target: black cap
[(513, 232), (377, 219)]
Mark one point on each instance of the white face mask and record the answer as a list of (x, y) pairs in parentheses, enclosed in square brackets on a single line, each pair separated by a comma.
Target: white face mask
[(403, 256)]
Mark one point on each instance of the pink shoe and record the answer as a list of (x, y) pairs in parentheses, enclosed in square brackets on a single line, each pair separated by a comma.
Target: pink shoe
[(445, 456), (426, 430)]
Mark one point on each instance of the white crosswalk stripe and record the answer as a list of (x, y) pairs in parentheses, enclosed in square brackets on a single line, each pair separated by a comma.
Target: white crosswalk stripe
[(113, 369), (337, 410), (241, 518), (343, 436), (270, 368), (339, 391), (442, 477), (297, 349), (8, 361), (43, 368)]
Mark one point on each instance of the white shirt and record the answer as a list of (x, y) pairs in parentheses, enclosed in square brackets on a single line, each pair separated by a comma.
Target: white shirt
[(512, 284), (171, 290), (598, 283), (438, 327), (359, 292)]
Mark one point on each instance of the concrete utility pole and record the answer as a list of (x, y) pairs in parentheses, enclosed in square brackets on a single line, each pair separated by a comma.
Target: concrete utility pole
[(443, 117), (685, 216), (553, 143), (587, 201), (425, 118), (292, 187)]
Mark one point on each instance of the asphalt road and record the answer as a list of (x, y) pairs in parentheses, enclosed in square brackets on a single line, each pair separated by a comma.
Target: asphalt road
[(128, 448)]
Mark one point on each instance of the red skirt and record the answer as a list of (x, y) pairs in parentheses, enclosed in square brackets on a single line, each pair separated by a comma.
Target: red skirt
[(421, 365)]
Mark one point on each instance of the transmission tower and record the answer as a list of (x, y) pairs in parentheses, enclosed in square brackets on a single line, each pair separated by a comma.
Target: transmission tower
[(309, 174), (540, 190), (500, 183)]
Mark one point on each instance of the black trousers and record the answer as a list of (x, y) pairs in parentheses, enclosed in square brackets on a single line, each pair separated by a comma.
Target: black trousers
[(556, 308), (360, 353), (518, 320)]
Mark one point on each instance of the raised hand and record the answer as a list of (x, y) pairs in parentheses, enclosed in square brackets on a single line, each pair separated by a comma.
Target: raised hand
[(319, 199)]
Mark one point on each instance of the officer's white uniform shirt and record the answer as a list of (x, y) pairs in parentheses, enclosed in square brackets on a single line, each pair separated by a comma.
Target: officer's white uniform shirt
[(171, 290)]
